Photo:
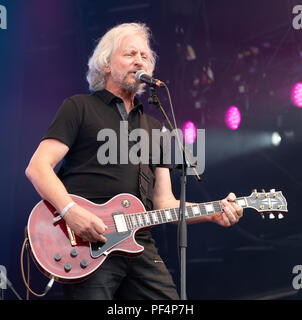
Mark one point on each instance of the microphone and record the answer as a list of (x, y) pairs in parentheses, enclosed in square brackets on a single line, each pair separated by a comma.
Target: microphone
[(142, 76)]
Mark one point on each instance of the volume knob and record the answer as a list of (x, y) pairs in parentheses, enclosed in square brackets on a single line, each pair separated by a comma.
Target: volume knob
[(73, 253), (84, 263), (67, 266), (57, 257)]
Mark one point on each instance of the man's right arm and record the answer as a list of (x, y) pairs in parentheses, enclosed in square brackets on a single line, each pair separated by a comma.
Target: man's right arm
[(40, 172)]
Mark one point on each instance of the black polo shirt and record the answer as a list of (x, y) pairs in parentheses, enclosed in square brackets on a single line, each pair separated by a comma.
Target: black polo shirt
[(77, 124)]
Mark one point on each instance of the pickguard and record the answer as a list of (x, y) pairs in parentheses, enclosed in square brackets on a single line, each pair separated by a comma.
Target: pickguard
[(99, 248)]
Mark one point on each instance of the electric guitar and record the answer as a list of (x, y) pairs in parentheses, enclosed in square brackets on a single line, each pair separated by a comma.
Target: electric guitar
[(64, 257)]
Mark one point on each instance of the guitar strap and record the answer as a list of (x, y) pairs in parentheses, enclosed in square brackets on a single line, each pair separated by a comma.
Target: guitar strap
[(146, 177)]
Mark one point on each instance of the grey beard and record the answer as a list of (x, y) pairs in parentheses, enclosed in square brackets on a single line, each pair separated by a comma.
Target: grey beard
[(131, 87), (134, 88)]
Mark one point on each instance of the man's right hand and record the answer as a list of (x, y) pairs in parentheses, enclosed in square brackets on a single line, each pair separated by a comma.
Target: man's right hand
[(85, 224)]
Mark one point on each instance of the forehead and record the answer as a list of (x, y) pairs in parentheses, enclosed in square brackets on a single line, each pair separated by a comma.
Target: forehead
[(136, 41)]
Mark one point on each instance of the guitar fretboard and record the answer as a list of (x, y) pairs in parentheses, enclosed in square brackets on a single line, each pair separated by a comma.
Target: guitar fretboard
[(155, 217)]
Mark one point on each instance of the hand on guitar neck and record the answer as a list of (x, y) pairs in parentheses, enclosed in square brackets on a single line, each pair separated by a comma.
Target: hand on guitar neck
[(231, 212)]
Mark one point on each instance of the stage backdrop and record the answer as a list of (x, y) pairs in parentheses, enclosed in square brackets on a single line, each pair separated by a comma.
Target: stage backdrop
[(213, 55)]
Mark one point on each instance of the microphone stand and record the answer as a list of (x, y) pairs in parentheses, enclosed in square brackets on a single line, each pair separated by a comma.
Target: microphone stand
[(182, 224)]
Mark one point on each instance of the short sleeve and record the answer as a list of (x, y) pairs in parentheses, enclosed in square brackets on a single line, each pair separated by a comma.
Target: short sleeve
[(66, 124)]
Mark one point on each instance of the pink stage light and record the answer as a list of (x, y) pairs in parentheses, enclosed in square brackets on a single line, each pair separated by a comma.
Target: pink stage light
[(297, 94), (190, 132), (233, 118)]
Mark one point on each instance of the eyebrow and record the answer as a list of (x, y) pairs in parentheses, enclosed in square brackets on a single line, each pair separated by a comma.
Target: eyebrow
[(135, 49)]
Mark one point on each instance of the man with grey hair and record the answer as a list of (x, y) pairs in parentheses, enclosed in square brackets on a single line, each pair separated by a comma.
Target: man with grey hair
[(72, 136)]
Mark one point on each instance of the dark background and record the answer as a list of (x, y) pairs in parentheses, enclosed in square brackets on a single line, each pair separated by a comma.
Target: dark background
[(255, 55)]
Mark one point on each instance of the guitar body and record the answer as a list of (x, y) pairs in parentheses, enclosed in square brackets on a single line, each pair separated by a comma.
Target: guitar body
[(57, 257)]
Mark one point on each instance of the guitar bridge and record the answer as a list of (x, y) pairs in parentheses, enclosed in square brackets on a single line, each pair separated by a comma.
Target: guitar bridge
[(71, 236)]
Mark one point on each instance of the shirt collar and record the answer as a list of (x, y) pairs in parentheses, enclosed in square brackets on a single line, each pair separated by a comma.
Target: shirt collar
[(109, 98)]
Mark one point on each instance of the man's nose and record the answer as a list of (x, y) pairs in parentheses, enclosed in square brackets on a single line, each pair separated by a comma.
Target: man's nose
[(138, 60)]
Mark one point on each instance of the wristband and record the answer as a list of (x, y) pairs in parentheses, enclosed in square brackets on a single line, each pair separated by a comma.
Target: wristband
[(64, 211)]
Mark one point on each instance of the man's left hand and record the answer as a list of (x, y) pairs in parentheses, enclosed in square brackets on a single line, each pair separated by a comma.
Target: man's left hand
[(231, 212)]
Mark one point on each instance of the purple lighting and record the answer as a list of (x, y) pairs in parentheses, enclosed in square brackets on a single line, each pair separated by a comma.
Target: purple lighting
[(297, 94), (189, 132), (233, 118)]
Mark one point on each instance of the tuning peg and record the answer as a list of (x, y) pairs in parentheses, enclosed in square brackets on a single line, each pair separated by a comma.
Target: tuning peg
[(273, 190), (271, 216), (262, 190), (262, 215), (254, 190), (280, 216)]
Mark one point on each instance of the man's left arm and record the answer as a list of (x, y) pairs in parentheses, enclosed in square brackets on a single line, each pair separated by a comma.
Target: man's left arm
[(163, 198)]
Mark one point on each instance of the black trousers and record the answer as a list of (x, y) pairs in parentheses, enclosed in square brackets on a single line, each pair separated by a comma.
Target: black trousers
[(144, 277)]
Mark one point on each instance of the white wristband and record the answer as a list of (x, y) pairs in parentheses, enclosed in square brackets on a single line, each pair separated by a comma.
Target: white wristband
[(64, 211)]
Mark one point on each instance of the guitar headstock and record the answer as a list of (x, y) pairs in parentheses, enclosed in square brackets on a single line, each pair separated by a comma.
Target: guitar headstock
[(268, 202)]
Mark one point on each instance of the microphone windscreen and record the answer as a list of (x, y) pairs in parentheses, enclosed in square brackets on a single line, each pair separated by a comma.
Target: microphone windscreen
[(138, 75)]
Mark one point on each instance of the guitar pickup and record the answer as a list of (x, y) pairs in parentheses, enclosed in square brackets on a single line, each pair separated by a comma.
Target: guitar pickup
[(120, 222)]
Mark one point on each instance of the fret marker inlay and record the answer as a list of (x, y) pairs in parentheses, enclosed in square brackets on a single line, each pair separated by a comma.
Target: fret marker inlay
[(195, 210), (209, 208), (168, 214)]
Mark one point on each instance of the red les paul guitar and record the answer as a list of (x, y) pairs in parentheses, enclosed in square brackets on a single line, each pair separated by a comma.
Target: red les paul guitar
[(63, 256)]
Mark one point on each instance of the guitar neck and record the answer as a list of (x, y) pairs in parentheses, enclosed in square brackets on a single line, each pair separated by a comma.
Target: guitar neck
[(155, 217)]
